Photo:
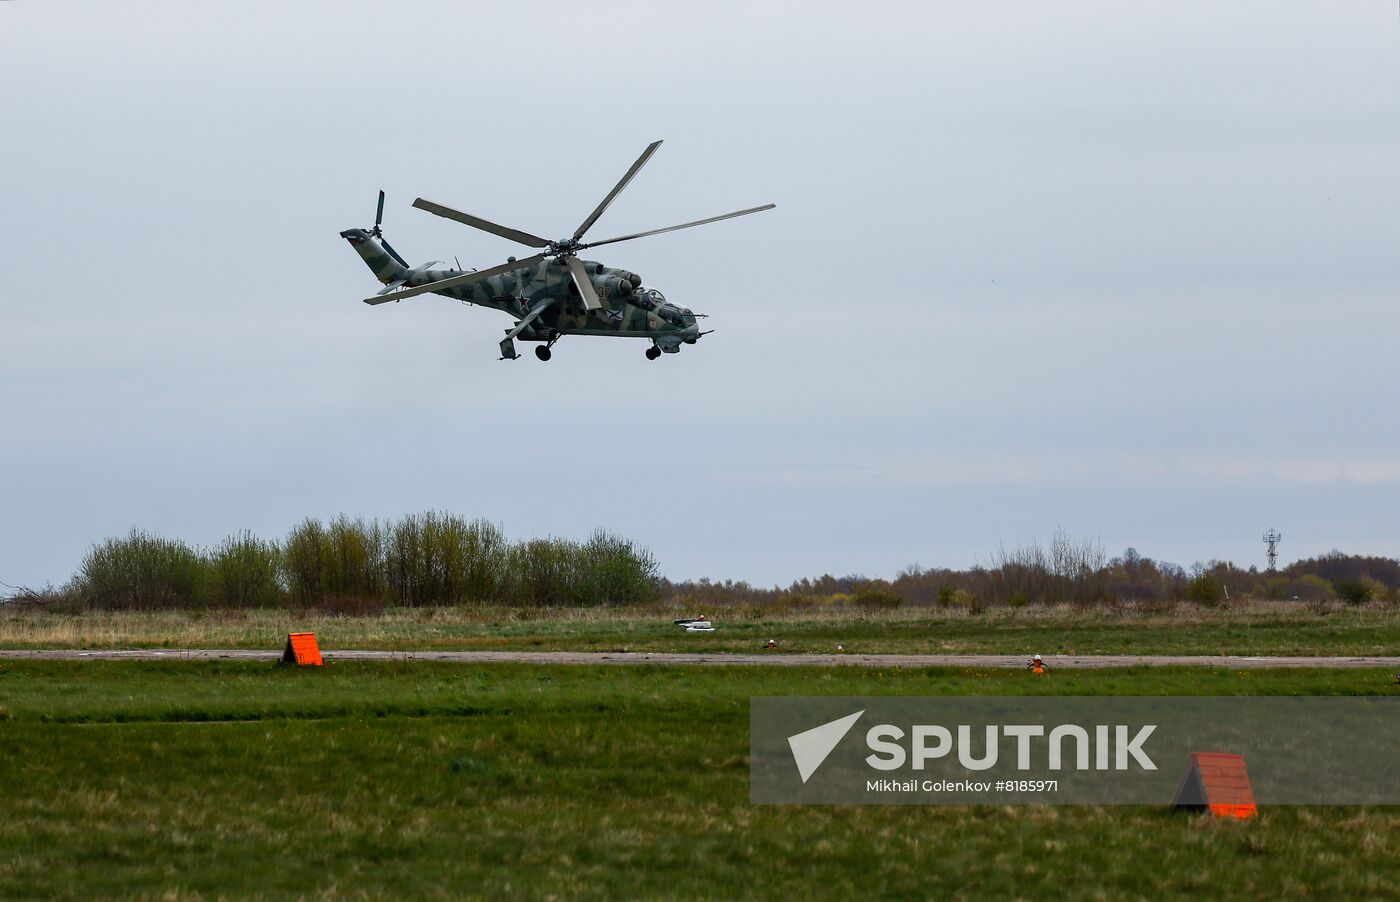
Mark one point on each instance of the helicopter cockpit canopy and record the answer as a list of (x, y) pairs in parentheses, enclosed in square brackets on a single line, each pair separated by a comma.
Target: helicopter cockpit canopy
[(672, 315), (657, 297)]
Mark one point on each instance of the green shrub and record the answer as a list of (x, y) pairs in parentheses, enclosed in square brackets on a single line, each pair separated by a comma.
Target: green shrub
[(1362, 590), (946, 596), (789, 601), (441, 559), (1206, 589), (244, 573), (343, 558), (302, 555), (543, 572), (487, 553), (1353, 591), (1311, 587), (967, 601), (876, 596), (357, 552), (614, 571), (409, 573), (141, 572)]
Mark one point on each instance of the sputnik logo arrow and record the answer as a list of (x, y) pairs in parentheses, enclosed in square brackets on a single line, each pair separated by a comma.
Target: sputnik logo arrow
[(811, 747)]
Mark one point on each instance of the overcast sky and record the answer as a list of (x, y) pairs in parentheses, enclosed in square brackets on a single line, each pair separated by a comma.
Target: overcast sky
[(1124, 269)]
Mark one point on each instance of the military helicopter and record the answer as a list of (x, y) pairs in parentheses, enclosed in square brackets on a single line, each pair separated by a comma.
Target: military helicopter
[(550, 294)]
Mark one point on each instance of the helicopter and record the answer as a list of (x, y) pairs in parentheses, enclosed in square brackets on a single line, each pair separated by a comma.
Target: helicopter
[(550, 294)]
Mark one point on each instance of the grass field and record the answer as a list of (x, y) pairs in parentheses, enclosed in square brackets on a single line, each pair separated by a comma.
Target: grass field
[(401, 778), (1256, 629)]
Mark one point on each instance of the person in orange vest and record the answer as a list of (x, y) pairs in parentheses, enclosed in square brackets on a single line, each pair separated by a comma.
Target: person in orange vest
[(1037, 666)]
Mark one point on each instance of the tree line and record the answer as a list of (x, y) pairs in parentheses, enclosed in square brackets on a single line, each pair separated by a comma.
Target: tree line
[(436, 559), (1069, 571), (358, 566)]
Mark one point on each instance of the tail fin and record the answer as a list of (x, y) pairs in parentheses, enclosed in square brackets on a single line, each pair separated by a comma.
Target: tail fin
[(378, 256)]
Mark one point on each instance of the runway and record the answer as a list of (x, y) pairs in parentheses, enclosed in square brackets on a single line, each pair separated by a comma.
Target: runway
[(1064, 662)]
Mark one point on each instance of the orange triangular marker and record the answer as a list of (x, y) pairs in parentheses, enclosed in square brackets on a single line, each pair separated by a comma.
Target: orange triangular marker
[(302, 650), (1217, 781)]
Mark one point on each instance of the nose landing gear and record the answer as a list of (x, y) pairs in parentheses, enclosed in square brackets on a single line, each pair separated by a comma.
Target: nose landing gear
[(653, 352)]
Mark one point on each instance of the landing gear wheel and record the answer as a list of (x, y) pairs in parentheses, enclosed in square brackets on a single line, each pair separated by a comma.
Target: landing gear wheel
[(543, 352), (653, 353)]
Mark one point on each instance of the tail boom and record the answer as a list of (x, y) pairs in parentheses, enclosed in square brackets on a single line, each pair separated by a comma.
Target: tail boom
[(382, 263)]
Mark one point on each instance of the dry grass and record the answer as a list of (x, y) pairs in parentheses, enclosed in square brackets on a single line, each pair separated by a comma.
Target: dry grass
[(260, 627), (1244, 628)]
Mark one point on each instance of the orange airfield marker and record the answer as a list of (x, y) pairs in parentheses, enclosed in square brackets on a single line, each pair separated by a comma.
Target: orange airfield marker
[(1217, 781), (302, 650)]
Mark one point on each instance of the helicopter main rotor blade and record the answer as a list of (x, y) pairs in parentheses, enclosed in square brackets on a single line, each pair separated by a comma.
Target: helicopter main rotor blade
[(477, 222), (636, 167), (453, 282), (583, 283), (379, 213), (685, 225)]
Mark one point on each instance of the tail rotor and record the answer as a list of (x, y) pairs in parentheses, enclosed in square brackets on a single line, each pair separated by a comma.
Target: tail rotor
[(378, 216), (378, 232)]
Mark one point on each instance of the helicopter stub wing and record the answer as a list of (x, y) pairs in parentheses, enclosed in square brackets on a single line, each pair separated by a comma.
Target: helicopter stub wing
[(530, 317), (465, 279), (508, 343)]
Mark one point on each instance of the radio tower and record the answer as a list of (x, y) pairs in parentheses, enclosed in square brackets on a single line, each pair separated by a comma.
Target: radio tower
[(1272, 538)]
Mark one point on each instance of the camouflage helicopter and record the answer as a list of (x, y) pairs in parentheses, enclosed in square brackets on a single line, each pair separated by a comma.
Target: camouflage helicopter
[(550, 294)]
